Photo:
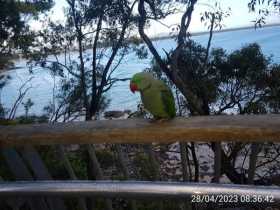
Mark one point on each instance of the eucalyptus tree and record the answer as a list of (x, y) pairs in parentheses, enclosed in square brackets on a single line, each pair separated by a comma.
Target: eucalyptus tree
[(264, 8), (212, 81), (84, 52), (197, 104), (89, 47), (187, 65), (244, 81), (14, 31)]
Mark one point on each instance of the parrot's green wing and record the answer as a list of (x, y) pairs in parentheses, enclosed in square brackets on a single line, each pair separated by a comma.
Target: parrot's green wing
[(168, 102)]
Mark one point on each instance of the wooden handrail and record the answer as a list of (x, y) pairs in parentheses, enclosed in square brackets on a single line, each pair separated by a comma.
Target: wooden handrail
[(251, 128)]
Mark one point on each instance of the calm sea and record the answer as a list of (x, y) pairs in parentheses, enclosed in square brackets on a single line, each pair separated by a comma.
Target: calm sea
[(120, 96)]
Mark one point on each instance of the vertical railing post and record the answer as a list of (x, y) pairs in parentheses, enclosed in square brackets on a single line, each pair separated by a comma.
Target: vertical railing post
[(183, 152), (253, 162), (21, 172), (217, 161), (186, 174), (66, 163)]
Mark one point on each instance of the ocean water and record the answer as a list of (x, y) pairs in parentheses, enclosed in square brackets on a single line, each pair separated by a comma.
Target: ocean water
[(120, 96)]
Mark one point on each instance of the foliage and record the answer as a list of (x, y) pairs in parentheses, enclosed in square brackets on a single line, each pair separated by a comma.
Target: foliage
[(106, 158), (147, 170), (14, 30), (170, 68), (99, 31), (3, 81), (264, 9), (31, 119), (242, 74), (82, 55), (273, 89), (243, 81), (27, 105)]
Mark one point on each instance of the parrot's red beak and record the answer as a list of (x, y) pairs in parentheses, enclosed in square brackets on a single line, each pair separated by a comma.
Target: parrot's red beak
[(133, 87)]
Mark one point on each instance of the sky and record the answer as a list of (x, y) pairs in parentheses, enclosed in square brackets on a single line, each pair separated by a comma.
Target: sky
[(240, 16)]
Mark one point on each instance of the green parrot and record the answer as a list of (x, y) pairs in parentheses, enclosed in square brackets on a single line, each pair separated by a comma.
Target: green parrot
[(155, 95)]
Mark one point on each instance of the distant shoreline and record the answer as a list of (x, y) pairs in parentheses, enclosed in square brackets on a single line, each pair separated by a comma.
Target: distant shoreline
[(167, 36)]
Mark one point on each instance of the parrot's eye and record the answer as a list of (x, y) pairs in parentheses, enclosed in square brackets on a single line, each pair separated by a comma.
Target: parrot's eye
[(133, 87)]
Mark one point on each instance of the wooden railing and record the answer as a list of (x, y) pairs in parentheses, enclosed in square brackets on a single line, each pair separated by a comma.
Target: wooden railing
[(247, 128)]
